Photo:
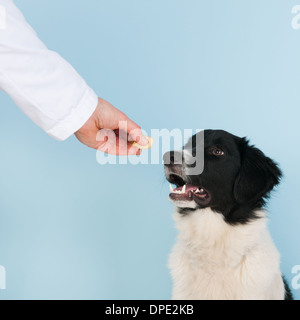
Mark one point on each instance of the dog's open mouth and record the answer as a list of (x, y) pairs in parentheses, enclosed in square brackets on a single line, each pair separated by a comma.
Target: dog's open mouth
[(187, 192)]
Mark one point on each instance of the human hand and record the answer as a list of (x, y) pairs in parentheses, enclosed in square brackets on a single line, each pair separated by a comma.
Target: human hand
[(98, 133)]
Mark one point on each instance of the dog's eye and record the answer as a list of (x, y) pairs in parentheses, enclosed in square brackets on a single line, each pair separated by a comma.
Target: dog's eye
[(217, 152)]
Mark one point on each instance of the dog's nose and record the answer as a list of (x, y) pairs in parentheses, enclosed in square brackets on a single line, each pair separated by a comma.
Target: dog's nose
[(173, 157)]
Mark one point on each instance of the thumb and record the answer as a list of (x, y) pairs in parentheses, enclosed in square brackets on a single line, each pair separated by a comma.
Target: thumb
[(135, 133)]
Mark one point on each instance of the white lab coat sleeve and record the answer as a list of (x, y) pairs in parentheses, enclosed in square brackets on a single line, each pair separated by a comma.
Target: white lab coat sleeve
[(41, 83)]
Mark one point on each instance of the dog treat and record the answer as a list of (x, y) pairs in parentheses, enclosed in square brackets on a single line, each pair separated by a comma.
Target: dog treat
[(147, 146)]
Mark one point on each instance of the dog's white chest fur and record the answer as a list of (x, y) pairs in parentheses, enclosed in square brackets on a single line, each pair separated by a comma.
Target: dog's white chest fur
[(215, 260)]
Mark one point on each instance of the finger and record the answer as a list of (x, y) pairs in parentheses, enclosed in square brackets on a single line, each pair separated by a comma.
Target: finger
[(131, 150), (136, 135), (109, 142), (132, 132), (124, 148), (112, 118)]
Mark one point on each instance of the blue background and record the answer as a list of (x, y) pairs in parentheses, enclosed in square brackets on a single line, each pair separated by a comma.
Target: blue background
[(73, 229)]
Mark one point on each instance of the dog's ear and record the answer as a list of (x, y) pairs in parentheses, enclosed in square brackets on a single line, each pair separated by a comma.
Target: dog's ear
[(257, 176)]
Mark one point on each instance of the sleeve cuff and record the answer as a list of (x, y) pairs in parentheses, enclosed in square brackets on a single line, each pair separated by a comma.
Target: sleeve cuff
[(77, 118)]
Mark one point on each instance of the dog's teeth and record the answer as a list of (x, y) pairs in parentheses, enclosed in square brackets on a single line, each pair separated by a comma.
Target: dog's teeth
[(197, 191), (171, 188), (183, 189), (201, 190)]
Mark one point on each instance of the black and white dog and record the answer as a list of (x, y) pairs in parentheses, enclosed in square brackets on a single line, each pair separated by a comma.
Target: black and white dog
[(224, 250)]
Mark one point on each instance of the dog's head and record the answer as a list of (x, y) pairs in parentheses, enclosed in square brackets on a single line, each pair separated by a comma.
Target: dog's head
[(236, 179)]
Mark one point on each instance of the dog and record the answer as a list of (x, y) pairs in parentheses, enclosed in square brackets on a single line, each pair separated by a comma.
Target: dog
[(224, 250)]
